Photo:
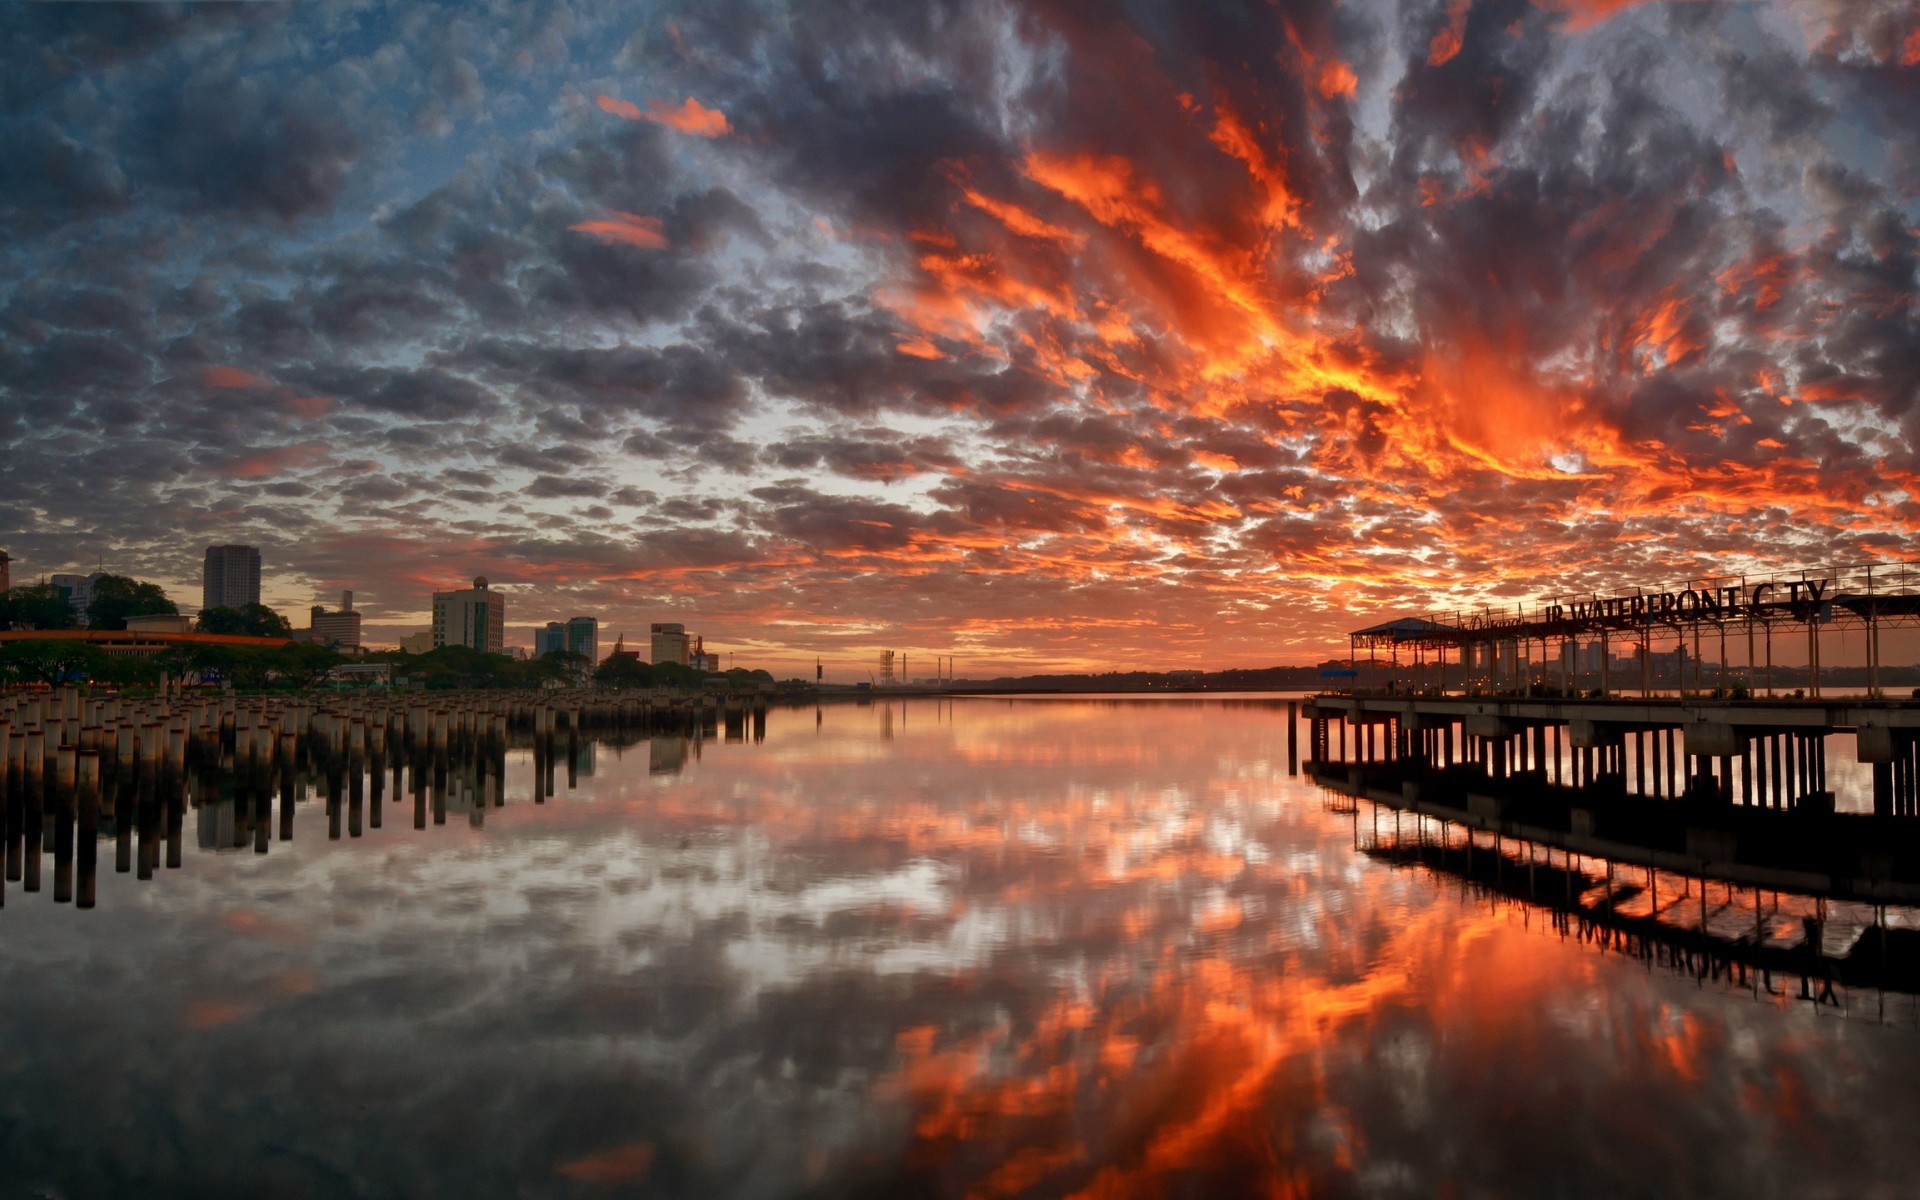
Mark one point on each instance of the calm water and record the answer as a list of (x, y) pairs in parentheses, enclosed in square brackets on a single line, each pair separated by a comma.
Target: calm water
[(974, 948)]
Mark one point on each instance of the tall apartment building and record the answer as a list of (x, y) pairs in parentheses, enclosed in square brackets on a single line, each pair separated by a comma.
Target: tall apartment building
[(341, 629), (231, 577), (6, 572), (475, 617), (581, 635)]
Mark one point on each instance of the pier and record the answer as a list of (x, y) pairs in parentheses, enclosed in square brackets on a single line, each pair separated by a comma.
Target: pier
[(80, 772)]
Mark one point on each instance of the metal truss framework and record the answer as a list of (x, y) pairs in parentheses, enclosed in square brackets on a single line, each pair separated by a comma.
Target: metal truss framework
[(1856, 596)]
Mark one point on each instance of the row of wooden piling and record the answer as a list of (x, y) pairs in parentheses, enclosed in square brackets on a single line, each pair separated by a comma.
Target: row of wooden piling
[(1778, 769), (78, 767)]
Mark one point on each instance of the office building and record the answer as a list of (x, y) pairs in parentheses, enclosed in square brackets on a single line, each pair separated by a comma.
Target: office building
[(475, 617), (6, 572), (76, 590), (231, 577), (417, 643), (580, 635), (672, 644), (583, 637), (340, 630)]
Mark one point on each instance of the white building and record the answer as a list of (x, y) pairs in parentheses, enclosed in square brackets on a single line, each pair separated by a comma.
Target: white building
[(673, 644), (475, 617), (76, 590)]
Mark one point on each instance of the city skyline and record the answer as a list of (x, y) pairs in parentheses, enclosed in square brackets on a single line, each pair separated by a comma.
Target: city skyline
[(1040, 336)]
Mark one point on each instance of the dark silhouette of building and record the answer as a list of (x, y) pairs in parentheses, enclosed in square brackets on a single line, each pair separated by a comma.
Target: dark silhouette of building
[(231, 577)]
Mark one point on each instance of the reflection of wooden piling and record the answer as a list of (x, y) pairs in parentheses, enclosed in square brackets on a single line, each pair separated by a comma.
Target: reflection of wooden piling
[(356, 779), (87, 804), (376, 770), (16, 751), (1293, 737), (33, 800), (67, 758)]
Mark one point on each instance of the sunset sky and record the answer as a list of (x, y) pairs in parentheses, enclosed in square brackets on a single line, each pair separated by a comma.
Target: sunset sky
[(1043, 335)]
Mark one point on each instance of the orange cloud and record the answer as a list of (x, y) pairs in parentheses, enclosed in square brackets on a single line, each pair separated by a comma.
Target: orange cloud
[(1584, 14), (309, 408), (1337, 79), (230, 377), (1446, 44), (622, 1164), (206, 1014), (689, 116), (645, 232)]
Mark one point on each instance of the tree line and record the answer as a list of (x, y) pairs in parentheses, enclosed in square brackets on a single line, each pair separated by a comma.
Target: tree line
[(290, 667)]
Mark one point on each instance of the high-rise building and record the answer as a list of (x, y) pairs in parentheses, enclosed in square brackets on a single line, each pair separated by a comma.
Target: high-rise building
[(341, 629), (583, 637), (231, 577), (671, 643), (579, 635), (6, 572), (475, 617)]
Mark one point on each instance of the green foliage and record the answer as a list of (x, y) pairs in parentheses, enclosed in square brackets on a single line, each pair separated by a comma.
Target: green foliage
[(39, 606), (674, 675), (116, 597), (254, 668), (465, 667), (50, 661), (624, 673), (251, 620), (562, 667)]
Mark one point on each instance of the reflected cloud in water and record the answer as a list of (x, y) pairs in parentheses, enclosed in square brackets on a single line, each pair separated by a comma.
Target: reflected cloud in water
[(953, 948)]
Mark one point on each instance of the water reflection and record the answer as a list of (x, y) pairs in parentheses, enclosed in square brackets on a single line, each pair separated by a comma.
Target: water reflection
[(1039, 948)]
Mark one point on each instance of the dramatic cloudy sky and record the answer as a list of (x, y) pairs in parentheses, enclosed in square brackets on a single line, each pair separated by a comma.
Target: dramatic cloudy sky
[(1040, 334)]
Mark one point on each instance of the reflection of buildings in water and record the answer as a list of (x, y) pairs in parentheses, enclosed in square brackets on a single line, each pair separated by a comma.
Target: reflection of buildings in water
[(583, 758), (666, 754)]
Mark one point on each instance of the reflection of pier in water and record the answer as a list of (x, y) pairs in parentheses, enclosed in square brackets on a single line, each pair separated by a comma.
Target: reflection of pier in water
[(1701, 837), (79, 772)]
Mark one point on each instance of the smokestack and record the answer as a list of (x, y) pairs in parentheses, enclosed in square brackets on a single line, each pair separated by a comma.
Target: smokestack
[(346, 601)]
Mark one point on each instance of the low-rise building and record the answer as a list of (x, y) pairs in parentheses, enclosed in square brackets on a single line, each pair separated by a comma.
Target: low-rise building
[(340, 630), (160, 623)]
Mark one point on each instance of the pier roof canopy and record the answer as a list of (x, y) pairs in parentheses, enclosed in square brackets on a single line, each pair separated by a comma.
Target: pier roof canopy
[(1406, 629)]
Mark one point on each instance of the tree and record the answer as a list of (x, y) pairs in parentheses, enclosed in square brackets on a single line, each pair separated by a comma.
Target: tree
[(51, 661), (561, 666), (302, 666), (672, 674), (251, 620), (40, 606), (623, 673), (116, 597)]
